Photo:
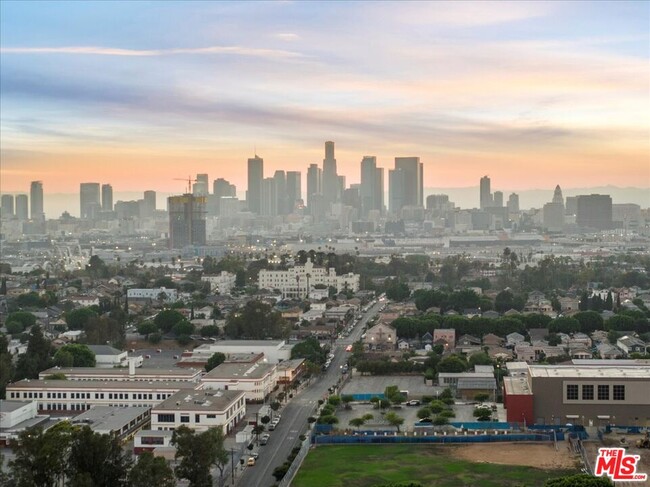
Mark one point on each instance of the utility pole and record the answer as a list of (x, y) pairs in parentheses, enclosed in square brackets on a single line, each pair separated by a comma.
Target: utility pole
[(232, 465)]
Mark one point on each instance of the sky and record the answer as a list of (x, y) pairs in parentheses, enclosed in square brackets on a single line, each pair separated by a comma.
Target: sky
[(137, 94)]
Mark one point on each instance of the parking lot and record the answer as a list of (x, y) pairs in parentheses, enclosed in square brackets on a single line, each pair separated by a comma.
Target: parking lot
[(377, 384), (409, 413), (158, 360)]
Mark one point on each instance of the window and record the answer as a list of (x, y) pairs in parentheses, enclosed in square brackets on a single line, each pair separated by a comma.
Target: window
[(197, 418), (166, 418), (211, 416), (587, 393), (152, 440), (572, 392), (618, 394), (603, 393), (185, 419)]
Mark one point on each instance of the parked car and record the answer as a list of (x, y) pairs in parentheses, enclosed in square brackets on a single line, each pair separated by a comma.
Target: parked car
[(251, 461), (413, 402), (264, 439)]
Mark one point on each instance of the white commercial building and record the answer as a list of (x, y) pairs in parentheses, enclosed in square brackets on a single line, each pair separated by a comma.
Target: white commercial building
[(15, 412), (107, 356), (298, 281), (256, 380), (221, 283), (120, 422), (132, 374), (200, 410), (155, 294), (80, 395), (274, 350)]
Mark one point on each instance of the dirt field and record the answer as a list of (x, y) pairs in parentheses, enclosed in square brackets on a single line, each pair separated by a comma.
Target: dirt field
[(525, 454)]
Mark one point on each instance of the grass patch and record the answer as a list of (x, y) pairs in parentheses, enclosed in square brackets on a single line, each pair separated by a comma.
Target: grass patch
[(370, 465)]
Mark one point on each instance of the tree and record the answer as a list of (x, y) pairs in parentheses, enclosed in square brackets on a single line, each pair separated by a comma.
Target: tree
[(452, 363), (424, 413), (151, 471), (167, 318), (579, 480), (96, 267), (309, 349), (346, 399), (41, 457), (357, 422), (81, 355), (256, 320), (25, 318), (14, 327), (146, 328), (36, 358), (183, 327), (78, 318), (482, 414), (479, 358), (394, 420), (6, 366), (105, 329), (197, 453), (97, 460), (63, 358), (396, 290), (210, 331), (215, 360)]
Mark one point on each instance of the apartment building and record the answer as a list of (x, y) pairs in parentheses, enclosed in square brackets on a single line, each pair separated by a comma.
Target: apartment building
[(255, 380)]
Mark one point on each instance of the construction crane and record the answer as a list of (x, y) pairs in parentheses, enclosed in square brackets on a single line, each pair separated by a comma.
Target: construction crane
[(189, 182)]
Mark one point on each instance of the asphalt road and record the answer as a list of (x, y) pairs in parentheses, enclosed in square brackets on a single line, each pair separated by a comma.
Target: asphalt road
[(295, 413)]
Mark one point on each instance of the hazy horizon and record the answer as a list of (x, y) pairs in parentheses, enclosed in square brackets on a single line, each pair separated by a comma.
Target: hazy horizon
[(465, 197)]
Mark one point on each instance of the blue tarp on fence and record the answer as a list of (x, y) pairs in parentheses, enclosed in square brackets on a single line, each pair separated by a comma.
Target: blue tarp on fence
[(367, 397), (363, 439), (484, 425)]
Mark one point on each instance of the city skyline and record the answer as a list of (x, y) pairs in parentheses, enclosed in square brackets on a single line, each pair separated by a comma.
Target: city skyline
[(554, 89)]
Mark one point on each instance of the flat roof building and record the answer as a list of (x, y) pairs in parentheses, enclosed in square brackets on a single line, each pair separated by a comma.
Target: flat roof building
[(200, 410), (120, 374), (110, 420), (60, 396), (590, 395), (256, 380)]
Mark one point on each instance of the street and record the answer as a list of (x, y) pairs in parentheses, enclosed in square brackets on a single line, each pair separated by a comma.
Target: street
[(296, 412)]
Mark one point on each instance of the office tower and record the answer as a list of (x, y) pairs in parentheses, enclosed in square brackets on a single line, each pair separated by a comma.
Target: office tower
[(229, 206), (396, 189), (438, 202), (331, 184), (486, 195), (222, 188), (571, 205), (553, 212), (269, 205), (294, 189), (513, 203), (594, 211), (314, 184), (352, 196), (557, 196), (371, 190), (107, 197), (405, 183), (201, 186), (186, 220), (22, 207), (148, 205), (282, 201), (498, 199), (7, 206), (89, 200), (36, 197), (255, 177), (413, 180)]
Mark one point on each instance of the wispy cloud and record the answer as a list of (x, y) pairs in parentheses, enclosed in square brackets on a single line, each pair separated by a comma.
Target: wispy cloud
[(287, 36), (112, 51)]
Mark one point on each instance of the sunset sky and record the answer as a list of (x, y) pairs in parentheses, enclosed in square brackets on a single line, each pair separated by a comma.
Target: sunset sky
[(138, 93)]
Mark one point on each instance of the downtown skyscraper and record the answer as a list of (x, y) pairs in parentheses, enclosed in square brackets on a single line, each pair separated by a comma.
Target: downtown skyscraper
[(255, 178), (331, 180), (89, 200), (36, 197), (405, 184), (371, 190)]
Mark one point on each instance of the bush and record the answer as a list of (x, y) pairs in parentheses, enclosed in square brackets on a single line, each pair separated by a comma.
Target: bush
[(154, 338), (440, 420), (447, 413)]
